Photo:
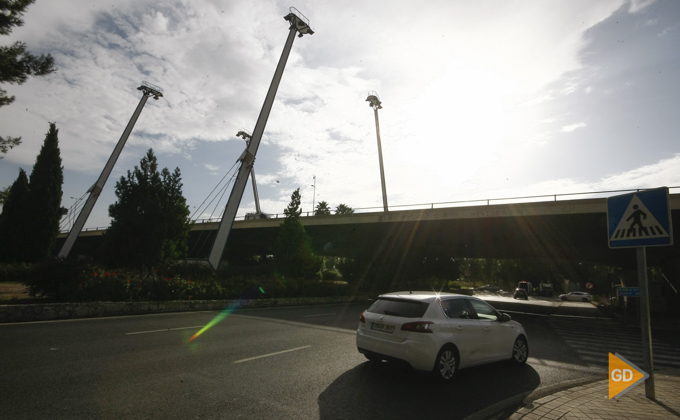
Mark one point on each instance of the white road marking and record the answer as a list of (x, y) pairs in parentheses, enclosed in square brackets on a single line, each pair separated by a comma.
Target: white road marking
[(523, 313), (104, 318), (297, 324), (578, 316), (271, 354), (312, 316), (167, 329)]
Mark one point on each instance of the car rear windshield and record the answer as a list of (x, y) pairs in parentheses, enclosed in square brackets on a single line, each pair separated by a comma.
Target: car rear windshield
[(399, 307)]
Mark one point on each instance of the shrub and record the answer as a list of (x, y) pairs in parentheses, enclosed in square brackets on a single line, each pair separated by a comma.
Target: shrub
[(56, 279), (72, 281), (330, 275), (15, 272)]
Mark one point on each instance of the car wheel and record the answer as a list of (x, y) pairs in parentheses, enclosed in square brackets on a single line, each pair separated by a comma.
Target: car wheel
[(447, 363), (563, 299), (520, 351), (373, 358), (585, 299)]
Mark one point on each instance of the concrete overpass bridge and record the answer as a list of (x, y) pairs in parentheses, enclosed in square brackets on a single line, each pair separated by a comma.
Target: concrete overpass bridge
[(571, 230)]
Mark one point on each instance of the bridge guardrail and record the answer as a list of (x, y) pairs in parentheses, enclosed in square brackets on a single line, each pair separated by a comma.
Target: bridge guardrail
[(444, 204)]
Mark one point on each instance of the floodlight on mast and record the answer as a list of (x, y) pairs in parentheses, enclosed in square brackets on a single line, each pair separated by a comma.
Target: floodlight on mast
[(375, 103), (147, 90), (299, 25), (247, 136)]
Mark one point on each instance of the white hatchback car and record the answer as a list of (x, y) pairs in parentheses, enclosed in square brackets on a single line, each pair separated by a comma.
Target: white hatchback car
[(577, 297), (439, 332)]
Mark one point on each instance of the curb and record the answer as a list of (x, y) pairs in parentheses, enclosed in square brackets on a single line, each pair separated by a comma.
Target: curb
[(549, 406), (57, 311), (526, 399)]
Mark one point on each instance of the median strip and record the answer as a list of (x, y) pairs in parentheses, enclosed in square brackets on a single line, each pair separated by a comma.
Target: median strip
[(271, 354), (167, 329)]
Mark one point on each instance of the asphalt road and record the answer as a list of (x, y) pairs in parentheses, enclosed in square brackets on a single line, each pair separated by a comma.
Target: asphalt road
[(284, 363)]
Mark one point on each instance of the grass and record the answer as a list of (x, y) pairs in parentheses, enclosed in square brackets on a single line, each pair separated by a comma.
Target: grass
[(11, 292)]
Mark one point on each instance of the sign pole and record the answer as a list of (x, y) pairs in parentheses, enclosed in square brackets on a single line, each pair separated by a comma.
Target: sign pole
[(645, 326), (639, 220)]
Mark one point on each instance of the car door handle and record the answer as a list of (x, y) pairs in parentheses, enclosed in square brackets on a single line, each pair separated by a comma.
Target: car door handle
[(487, 329), (460, 327)]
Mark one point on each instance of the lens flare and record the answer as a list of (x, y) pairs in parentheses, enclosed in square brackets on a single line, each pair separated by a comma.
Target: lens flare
[(234, 305), (225, 313)]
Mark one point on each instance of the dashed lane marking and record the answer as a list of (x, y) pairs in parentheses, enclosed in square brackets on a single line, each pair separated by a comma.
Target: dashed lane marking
[(164, 330), (272, 354), (312, 316)]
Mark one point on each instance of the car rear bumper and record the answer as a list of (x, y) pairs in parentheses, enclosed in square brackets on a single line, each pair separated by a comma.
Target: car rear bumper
[(420, 353)]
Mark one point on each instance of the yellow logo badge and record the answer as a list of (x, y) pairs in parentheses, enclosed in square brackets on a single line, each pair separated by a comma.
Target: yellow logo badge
[(623, 375)]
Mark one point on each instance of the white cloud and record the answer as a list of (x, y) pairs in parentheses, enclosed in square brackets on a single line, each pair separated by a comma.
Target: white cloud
[(468, 92), (663, 173), (572, 127), (638, 5)]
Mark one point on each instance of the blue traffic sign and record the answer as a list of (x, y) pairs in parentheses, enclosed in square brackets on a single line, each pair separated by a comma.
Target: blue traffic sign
[(629, 291), (640, 219)]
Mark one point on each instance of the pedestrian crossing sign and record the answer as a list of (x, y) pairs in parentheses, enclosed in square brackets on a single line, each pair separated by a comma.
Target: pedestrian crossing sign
[(640, 219)]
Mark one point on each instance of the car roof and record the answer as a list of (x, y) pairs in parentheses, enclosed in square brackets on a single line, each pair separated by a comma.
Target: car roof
[(420, 295)]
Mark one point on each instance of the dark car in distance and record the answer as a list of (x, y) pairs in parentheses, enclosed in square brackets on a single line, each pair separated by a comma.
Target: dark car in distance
[(520, 294)]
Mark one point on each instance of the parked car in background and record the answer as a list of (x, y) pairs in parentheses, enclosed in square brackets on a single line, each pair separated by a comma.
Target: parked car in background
[(577, 297), (488, 288), (520, 294), (545, 289), (439, 332), (526, 285)]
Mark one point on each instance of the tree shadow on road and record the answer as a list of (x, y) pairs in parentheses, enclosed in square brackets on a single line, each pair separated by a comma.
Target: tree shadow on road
[(389, 390)]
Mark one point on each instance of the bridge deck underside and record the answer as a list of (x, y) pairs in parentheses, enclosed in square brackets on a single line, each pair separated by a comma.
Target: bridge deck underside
[(576, 237)]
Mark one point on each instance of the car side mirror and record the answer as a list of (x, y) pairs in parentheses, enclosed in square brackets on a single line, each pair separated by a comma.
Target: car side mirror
[(505, 317)]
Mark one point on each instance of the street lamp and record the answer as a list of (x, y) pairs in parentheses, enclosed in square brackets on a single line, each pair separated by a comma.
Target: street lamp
[(148, 90), (314, 195), (298, 24), (246, 136), (374, 102)]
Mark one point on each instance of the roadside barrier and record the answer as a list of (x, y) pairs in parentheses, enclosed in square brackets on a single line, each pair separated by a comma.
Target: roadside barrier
[(55, 311)]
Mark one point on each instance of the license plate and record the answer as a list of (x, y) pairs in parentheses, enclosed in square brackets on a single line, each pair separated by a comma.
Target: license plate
[(382, 327)]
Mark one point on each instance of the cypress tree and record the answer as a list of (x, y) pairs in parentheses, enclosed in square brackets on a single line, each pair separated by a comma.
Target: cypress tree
[(293, 250), (149, 221), (16, 62), (44, 199), (13, 221)]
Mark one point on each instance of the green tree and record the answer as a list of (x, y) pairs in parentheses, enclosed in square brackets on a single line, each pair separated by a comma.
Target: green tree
[(3, 194), (16, 63), (344, 209), (12, 220), (44, 209), (149, 221), (293, 252), (322, 209)]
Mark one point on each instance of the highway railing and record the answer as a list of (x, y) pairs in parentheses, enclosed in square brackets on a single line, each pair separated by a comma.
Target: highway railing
[(443, 204)]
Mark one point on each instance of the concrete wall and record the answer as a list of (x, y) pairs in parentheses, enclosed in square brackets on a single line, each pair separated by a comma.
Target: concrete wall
[(53, 311)]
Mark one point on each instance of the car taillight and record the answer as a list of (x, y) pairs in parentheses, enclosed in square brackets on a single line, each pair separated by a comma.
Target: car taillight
[(362, 319), (421, 327)]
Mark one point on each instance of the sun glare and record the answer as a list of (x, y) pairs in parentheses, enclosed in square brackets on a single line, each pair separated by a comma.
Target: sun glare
[(458, 121)]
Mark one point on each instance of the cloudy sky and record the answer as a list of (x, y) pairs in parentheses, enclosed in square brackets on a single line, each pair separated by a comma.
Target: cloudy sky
[(483, 99)]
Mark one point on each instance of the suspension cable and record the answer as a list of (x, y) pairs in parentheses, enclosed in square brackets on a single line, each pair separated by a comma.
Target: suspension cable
[(220, 193), (213, 190)]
